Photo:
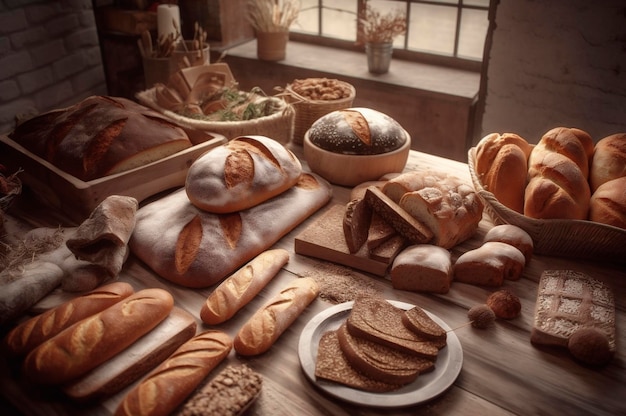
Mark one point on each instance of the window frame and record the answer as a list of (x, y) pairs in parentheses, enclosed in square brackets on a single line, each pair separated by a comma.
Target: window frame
[(404, 53)]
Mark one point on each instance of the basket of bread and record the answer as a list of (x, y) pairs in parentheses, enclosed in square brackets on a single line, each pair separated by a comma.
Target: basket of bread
[(568, 193), (207, 98), (313, 98)]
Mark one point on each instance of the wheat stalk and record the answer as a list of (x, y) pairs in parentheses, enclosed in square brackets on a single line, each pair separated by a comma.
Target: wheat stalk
[(272, 15)]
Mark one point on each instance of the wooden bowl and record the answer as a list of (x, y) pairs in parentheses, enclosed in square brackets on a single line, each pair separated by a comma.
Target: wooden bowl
[(352, 170)]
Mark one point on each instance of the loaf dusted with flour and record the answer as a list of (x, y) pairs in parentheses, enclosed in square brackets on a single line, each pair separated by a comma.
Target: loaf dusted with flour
[(268, 323), (169, 385), (31, 333), (242, 286), (90, 342), (196, 248), (101, 136), (243, 173)]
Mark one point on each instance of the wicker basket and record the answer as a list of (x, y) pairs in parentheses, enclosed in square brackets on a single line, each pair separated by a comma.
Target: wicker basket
[(308, 111), (562, 238), (278, 126)]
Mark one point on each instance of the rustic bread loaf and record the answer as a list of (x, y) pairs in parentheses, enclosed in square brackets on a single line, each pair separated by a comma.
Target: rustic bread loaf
[(502, 167), (230, 393), (168, 385), (422, 268), (100, 136), (609, 160), (90, 342), (242, 286), (357, 131), (608, 203), (489, 265), (31, 333), (379, 321), (268, 323), (243, 173), (195, 248), (513, 235), (380, 362), (558, 171)]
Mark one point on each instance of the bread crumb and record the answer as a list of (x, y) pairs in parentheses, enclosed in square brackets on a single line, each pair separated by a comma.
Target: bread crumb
[(339, 284)]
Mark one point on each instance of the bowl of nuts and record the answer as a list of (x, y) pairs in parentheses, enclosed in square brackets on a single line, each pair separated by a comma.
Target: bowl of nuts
[(313, 98)]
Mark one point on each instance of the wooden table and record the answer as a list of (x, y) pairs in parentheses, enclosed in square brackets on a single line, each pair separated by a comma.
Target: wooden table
[(502, 373)]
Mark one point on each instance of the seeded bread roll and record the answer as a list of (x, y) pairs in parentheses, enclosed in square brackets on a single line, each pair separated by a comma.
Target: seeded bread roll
[(357, 131), (90, 342), (422, 268), (608, 203), (243, 173), (101, 136), (489, 265), (609, 160), (558, 171)]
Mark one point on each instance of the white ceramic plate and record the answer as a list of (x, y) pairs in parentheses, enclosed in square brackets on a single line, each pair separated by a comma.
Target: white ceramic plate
[(424, 388)]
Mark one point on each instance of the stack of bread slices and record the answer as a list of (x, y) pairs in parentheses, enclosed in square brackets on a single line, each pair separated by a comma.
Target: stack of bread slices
[(380, 347)]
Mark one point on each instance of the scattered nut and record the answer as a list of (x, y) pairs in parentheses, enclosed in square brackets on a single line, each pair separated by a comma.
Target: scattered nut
[(481, 316), (590, 346), (505, 304)]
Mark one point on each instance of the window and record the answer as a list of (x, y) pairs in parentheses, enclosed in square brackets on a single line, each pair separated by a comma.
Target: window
[(440, 31)]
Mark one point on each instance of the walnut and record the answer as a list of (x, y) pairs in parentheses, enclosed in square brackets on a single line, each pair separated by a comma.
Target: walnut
[(481, 316), (590, 346), (505, 304)]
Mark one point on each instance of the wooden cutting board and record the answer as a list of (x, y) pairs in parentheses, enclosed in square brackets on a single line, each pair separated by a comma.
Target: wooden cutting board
[(132, 363), (324, 239)]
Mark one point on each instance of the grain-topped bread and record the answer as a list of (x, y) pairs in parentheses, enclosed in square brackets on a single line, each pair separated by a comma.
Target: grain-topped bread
[(100, 136), (379, 321), (357, 131), (243, 173)]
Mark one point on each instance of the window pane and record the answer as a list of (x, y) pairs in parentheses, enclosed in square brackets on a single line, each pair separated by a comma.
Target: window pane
[(474, 25), (431, 28), (308, 21), (339, 19), (385, 7), (482, 3)]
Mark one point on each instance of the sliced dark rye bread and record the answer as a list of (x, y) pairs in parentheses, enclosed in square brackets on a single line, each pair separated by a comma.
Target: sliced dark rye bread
[(379, 321), (419, 322), (356, 223), (332, 365), (380, 362)]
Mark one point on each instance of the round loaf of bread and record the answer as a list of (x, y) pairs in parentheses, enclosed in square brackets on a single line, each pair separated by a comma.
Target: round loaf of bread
[(608, 203), (243, 173), (513, 235), (609, 160), (357, 131)]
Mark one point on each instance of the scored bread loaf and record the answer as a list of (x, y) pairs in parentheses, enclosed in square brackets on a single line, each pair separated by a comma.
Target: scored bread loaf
[(422, 268), (489, 265), (267, 324), (100, 136), (242, 286), (502, 167), (169, 385), (513, 235), (558, 171), (195, 248), (29, 334), (93, 340), (609, 160), (243, 173), (608, 203)]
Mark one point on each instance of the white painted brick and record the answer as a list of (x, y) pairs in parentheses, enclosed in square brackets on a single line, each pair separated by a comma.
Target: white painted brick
[(47, 53), (49, 98), (9, 90), (32, 81), (32, 35), (62, 25), (91, 79), (12, 21), (13, 64), (42, 12)]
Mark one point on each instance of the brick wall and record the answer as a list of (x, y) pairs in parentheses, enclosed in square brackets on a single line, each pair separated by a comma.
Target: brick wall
[(557, 63), (49, 56)]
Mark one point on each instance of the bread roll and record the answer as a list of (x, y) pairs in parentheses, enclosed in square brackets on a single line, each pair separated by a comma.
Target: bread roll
[(260, 332), (29, 334), (502, 167), (609, 160), (357, 131), (422, 268), (90, 342), (245, 172), (608, 203), (558, 170), (100, 136), (513, 235), (242, 286), (489, 265), (168, 385)]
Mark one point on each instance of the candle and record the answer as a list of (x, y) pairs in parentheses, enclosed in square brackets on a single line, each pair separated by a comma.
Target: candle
[(168, 20)]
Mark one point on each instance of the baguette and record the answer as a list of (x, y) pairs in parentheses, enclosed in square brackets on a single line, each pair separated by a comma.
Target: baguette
[(92, 341), (241, 287), (26, 336), (165, 388), (260, 332)]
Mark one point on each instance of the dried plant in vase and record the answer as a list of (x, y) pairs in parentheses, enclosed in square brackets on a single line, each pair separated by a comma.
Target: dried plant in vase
[(378, 33), (271, 20)]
